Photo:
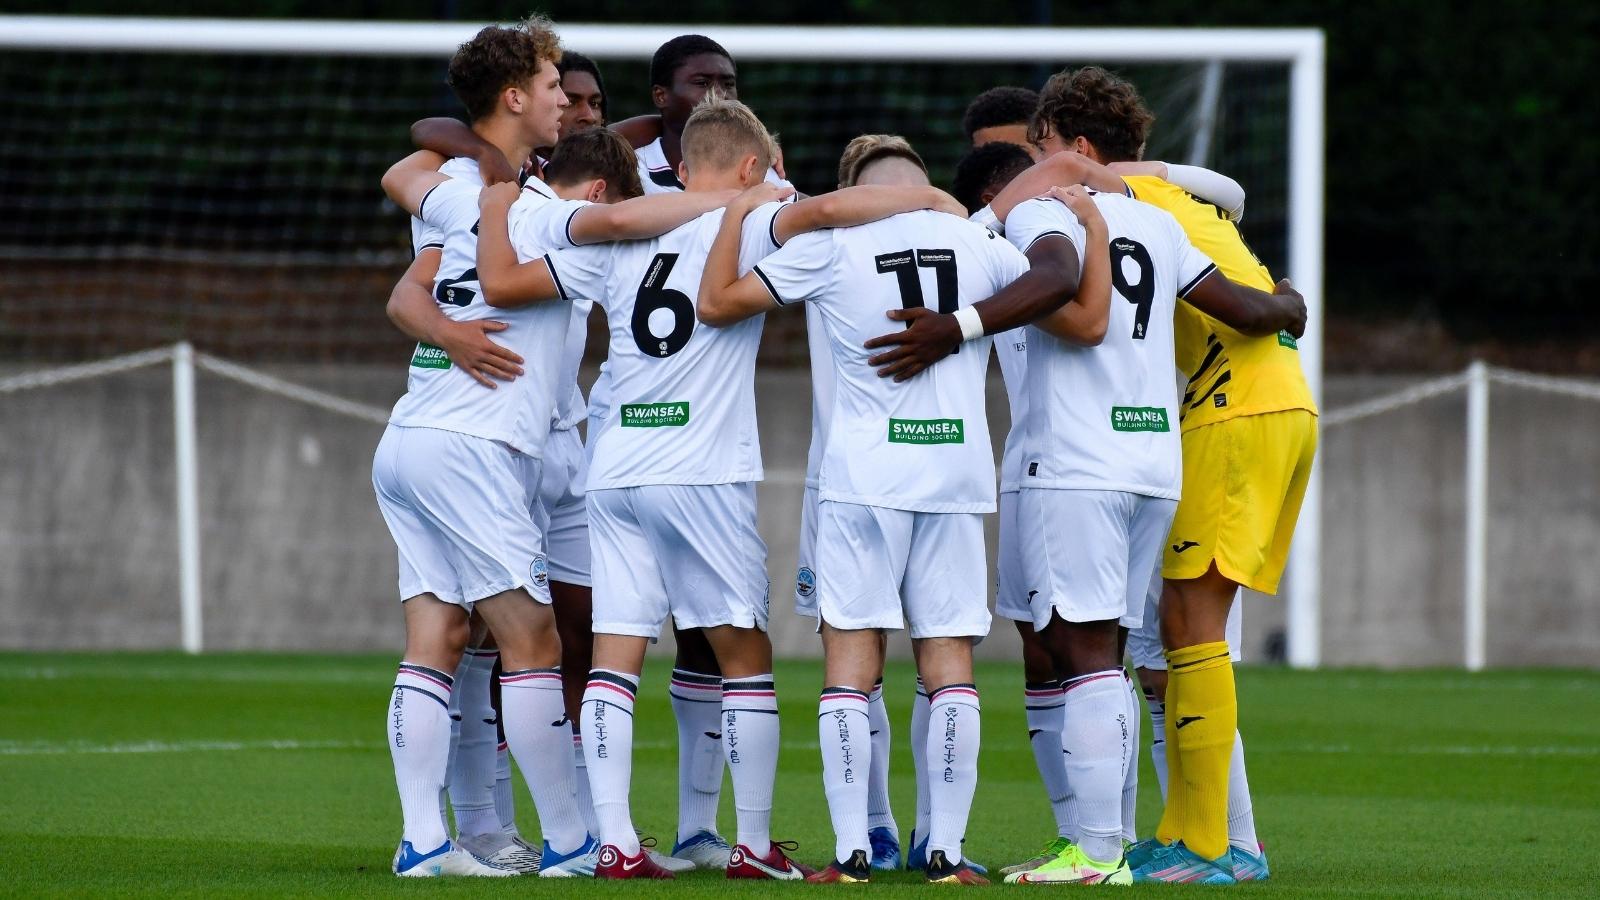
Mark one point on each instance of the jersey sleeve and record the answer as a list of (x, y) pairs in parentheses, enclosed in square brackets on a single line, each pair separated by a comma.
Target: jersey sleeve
[(802, 269), (1008, 263), (539, 226), (760, 236), (1193, 265), (1040, 218), (581, 271), (425, 237), (449, 204)]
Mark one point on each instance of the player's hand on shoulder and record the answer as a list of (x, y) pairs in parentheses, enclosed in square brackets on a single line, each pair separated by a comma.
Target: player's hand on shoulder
[(761, 194), (928, 338), (495, 169), (1076, 198), (498, 196), (468, 345), (1297, 306), (945, 203)]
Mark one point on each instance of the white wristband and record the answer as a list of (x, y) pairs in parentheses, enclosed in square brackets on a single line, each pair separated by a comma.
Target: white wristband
[(971, 323)]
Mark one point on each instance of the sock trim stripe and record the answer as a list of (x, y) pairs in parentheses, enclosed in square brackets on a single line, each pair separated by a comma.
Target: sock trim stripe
[(593, 684), (843, 696), (475, 651), (710, 697), (1175, 666), (433, 675), (435, 697), (695, 679), (1052, 692), (622, 681), (1051, 707), (502, 747), (1089, 679), (772, 694), (962, 690), (536, 675), (749, 684)]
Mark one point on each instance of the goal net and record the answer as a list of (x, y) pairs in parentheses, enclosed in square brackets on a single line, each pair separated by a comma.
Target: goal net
[(217, 183)]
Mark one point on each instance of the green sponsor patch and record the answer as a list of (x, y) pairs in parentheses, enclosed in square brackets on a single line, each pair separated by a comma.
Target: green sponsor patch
[(1285, 339), (430, 357), (1139, 418), (927, 431), (654, 415)]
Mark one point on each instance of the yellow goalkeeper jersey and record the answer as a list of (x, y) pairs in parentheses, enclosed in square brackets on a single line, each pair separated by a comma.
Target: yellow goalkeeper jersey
[(1230, 374)]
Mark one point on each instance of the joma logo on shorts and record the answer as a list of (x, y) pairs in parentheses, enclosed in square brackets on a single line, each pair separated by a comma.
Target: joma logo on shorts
[(654, 415), (926, 431), (1139, 418)]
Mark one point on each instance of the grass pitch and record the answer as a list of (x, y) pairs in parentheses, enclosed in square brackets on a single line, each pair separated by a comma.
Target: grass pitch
[(163, 775)]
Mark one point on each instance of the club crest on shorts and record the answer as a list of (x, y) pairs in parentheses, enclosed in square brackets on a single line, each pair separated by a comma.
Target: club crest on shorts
[(539, 571), (805, 582)]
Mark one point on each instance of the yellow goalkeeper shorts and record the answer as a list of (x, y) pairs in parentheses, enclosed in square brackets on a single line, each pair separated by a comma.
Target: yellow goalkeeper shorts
[(1243, 481)]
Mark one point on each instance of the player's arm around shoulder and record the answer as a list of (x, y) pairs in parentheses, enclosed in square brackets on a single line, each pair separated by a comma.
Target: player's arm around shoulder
[(1213, 187), (1247, 310), (859, 205), (724, 297), (650, 216), (408, 181), (1083, 319), (506, 282), (1060, 170)]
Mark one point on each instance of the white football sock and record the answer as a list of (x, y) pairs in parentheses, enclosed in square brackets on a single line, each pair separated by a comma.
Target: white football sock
[(919, 759), (472, 764), (879, 815), (1158, 740), (607, 723), (541, 740), (844, 733), (750, 740), (1241, 813), (954, 737), (418, 724), (585, 798), (1130, 759), (1094, 735), (697, 705), (505, 794), (1042, 703)]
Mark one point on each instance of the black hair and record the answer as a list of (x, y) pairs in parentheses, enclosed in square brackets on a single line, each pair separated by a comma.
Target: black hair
[(999, 106), (671, 56), (572, 61), (991, 166)]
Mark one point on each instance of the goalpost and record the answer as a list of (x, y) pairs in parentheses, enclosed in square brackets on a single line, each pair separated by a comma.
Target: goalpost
[(1300, 50)]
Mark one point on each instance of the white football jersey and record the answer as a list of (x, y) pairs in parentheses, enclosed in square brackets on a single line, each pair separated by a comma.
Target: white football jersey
[(1011, 347), (681, 394), (1106, 417), (439, 395), (922, 445), (818, 344), (539, 227), (658, 176)]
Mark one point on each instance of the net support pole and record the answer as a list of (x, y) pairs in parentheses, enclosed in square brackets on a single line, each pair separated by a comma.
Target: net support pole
[(1475, 581), (185, 461), (1306, 126)]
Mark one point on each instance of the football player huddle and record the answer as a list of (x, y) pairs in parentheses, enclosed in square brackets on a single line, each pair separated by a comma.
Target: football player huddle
[(1161, 438)]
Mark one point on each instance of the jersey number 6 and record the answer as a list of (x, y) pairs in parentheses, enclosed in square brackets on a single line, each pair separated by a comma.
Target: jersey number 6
[(653, 295)]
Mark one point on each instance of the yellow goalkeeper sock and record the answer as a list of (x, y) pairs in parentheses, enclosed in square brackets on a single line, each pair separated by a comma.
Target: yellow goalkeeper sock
[(1204, 718), (1171, 826)]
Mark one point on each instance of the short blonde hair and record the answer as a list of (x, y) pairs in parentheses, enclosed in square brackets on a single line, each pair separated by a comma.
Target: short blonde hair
[(869, 148), (720, 132)]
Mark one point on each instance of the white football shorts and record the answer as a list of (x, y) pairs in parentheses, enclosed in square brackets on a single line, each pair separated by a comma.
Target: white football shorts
[(688, 550), (1011, 591), (805, 577), (890, 568), (1089, 553), (1144, 642), (456, 506), (561, 509)]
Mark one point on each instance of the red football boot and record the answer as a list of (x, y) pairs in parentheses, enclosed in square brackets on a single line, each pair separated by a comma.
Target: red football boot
[(776, 865), (614, 865)]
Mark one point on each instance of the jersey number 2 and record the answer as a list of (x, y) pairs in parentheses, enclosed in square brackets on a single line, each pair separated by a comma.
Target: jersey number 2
[(1143, 294), (653, 295), (904, 265)]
